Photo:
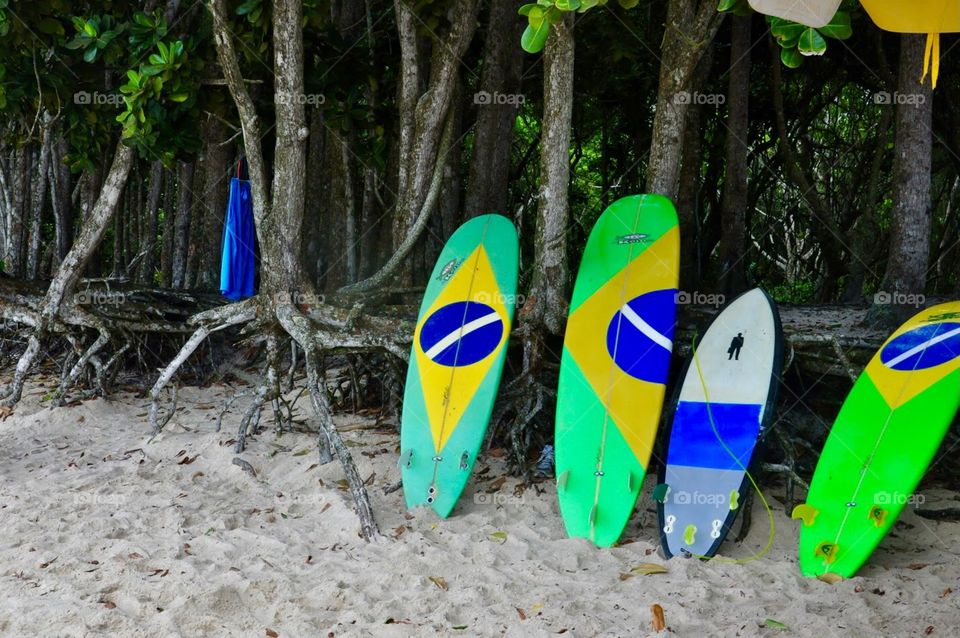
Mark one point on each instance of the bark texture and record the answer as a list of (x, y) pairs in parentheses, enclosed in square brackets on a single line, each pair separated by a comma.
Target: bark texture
[(691, 27), (488, 181), (547, 306), (910, 225), (733, 236)]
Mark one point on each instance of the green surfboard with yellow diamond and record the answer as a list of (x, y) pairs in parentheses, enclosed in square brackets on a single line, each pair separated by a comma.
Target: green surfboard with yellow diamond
[(456, 360), (882, 442), (613, 371)]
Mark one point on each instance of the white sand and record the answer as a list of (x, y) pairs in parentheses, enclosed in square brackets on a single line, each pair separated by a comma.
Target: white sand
[(96, 539)]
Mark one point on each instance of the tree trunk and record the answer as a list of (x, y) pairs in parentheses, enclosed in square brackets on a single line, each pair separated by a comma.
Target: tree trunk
[(315, 235), (423, 115), (733, 211), (61, 188), (905, 279), (181, 233), (488, 182), (279, 231), (19, 202), (691, 27), (148, 240), (39, 198), (217, 171), (547, 308)]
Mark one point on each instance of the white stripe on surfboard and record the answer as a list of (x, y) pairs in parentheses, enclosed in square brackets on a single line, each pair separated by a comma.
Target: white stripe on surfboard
[(646, 328), (921, 347), (461, 332)]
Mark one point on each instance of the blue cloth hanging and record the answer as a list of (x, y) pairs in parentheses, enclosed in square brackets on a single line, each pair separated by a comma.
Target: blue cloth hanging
[(238, 264)]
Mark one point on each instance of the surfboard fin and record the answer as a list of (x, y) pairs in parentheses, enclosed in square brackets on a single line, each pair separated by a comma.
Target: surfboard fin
[(660, 492), (630, 481), (734, 499), (405, 458), (878, 515), (562, 480), (593, 520), (807, 513), (690, 534), (827, 551), (463, 460)]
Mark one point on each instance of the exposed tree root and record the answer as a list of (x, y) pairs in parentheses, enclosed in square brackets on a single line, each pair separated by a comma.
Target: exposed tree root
[(319, 331), (529, 401)]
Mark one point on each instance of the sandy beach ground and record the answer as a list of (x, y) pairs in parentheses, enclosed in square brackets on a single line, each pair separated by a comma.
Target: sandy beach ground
[(104, 534)]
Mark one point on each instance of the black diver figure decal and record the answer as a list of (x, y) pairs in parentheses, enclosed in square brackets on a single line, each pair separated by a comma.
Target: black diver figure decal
[(733, 351)]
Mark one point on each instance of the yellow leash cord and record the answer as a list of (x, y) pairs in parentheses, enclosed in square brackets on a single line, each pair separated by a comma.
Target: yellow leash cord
[(716, 433)]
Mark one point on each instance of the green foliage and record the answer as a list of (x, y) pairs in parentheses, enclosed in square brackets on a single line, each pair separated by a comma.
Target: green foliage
[(798, 292), (95, 37), (797, 41), (545, 13)]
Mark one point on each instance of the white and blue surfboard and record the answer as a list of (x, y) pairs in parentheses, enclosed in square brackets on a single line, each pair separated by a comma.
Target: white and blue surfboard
[(724, 403)]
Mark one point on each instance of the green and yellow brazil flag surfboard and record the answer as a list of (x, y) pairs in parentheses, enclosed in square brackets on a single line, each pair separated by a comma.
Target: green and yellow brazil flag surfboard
[(885, 436), (616, 356), (456, 360)]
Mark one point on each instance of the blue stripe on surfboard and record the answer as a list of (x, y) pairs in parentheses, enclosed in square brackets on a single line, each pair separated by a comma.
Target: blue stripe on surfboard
[(694, 443)]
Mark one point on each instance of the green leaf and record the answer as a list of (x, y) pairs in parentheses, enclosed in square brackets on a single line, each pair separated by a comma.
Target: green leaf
[(791, 58), (774, 624), (179, 97), (90, 54), (500, 537), (787, 33), (568, 5), (90, 29), (78, 42), (812, 43), (534, 12), (839, 27), (628, 4), (534, 38)]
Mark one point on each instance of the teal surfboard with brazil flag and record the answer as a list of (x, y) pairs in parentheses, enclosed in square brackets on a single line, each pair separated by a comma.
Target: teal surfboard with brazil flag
[(456, 360)]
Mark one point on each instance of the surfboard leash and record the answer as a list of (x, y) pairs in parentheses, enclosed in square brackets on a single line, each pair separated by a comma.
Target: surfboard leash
[(773, 527)]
